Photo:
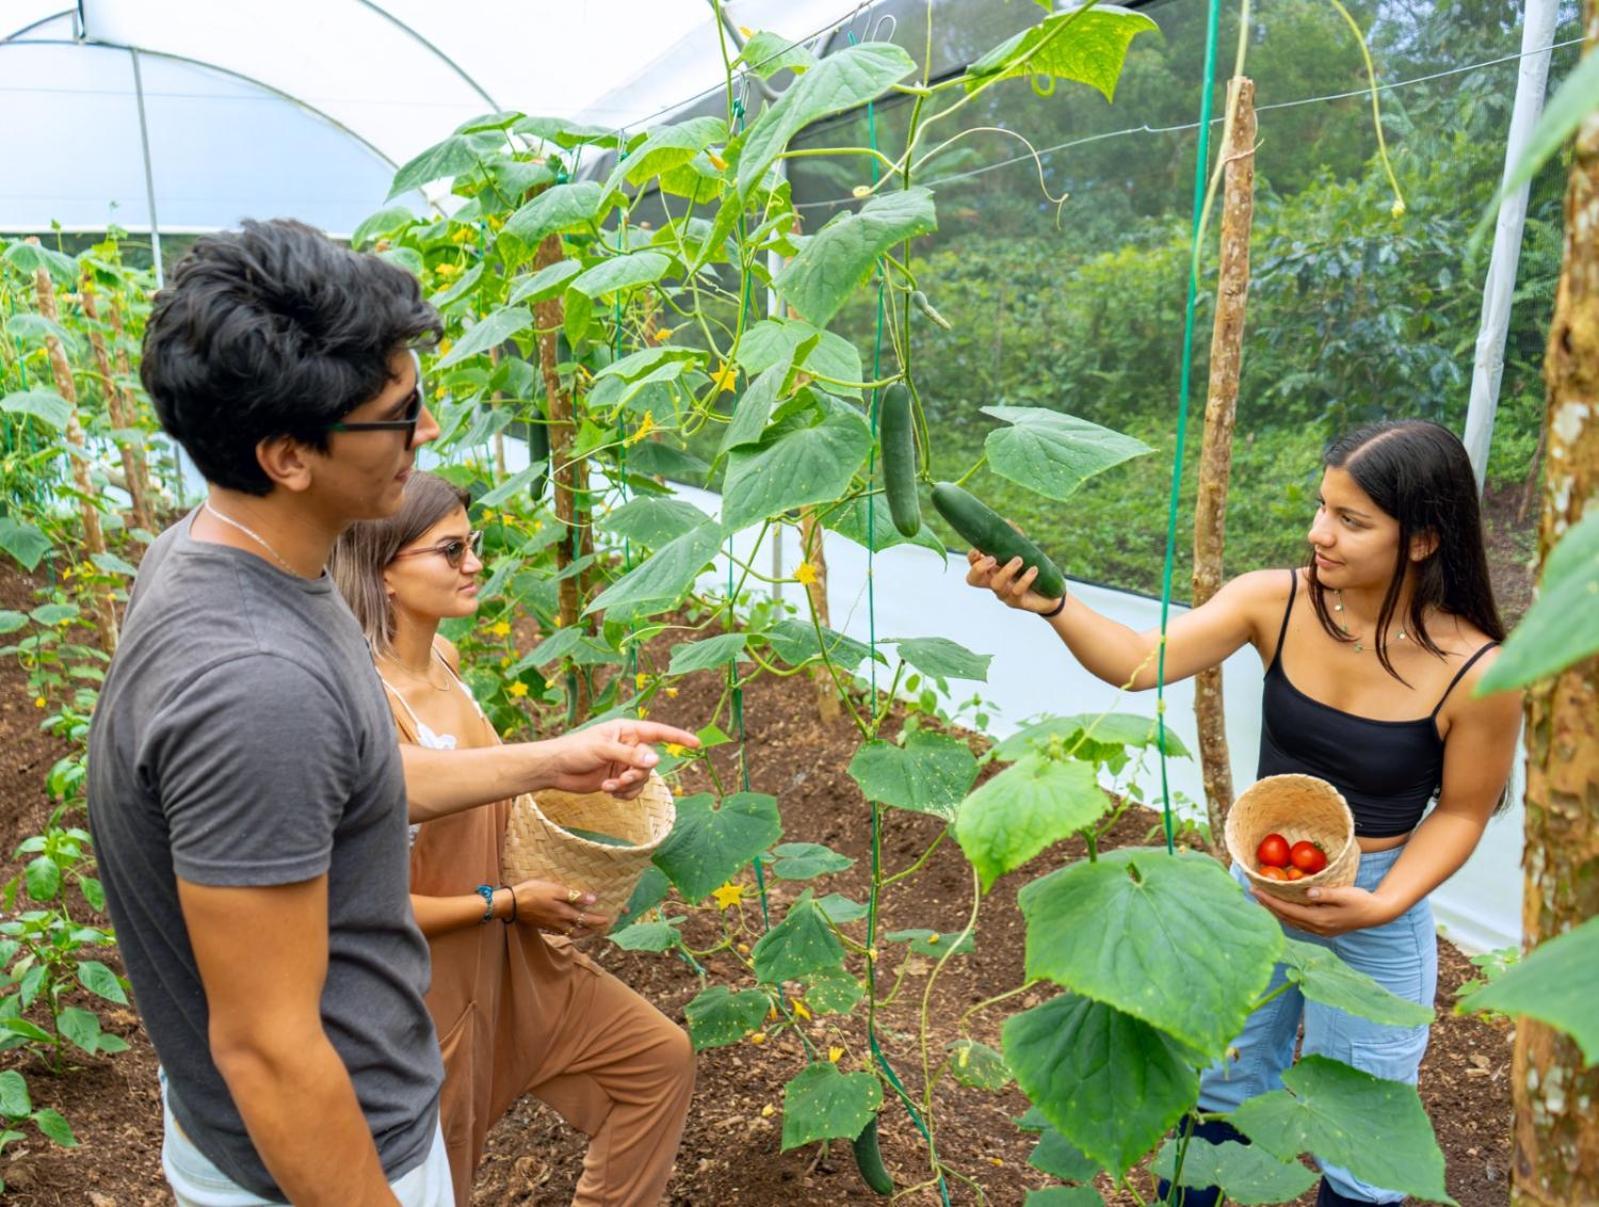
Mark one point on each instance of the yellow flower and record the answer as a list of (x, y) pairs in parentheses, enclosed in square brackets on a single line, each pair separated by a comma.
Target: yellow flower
[(1398, 210), (643, 713), (676, 751), (518, 689), (446, 270), (464, 235), (645, 427), (861, 190), (725, 377), (559, 621), (641, 680), (500, 628), (746, 31), (835, 1054), (995, 1161), (444, 347), (805, 573), (38, 701), (671, 693), (800, 1008), (661, 334), (743, 949), (717, 161), (729, 895), (506, 661), (495, 222), (758, 1038), (768, 1111), (931, 939)]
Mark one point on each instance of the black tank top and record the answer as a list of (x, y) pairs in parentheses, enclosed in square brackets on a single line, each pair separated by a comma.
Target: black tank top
[(1387, 770)]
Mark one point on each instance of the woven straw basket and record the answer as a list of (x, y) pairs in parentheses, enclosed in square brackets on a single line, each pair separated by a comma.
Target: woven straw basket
[(538, 847), (1300, 808)]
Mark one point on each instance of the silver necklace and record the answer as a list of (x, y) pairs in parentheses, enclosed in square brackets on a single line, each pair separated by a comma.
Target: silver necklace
[(1360, 646), (252, 534)]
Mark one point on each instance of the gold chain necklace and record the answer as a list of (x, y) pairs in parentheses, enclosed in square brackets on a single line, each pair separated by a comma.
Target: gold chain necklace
[(253, 535), (449, 680), (1359, 646)]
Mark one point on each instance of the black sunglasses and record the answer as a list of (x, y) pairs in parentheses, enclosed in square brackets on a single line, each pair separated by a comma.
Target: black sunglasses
[(453, 551), (413, 413)]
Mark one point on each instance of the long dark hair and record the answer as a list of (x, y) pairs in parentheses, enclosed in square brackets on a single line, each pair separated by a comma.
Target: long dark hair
[(365, 549), (1419, 473)]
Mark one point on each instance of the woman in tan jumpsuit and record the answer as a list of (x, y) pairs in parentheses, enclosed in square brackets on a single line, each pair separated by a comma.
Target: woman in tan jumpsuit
[(518, 1009)]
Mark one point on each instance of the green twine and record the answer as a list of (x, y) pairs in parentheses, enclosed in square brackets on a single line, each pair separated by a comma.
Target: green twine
[(1201, 162)]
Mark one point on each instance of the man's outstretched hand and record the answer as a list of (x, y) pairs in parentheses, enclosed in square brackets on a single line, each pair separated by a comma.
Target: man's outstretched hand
[(614, 757)]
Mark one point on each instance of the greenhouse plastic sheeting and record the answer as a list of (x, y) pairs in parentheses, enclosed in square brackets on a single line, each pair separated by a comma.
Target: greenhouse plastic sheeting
[(306, 107)]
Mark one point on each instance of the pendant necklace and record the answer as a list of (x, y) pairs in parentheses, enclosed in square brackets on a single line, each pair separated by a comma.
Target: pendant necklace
[(1359, 646), (252, 534)]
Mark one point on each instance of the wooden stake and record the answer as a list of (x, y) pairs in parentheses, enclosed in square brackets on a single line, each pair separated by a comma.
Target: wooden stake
[(119, 407), (828, 705), (1216, 457), (1556, 1158), (77, 453), (131, 410)]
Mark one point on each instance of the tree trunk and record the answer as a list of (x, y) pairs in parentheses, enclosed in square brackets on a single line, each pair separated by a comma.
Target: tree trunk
[(101, 605), (1216, 456), (1557, 1126), (130, 409), (568, 476), (122, 414), (828, 705)]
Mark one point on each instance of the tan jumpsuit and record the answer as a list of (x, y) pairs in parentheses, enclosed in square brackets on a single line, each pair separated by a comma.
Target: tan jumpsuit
[(519, 1012)]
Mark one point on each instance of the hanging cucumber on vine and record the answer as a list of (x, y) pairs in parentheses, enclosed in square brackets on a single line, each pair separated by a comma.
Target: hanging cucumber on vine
[(869, 1160), (896, 433)]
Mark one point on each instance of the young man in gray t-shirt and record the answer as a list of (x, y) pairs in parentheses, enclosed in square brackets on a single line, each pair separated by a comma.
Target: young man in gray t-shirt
[(247, 791)]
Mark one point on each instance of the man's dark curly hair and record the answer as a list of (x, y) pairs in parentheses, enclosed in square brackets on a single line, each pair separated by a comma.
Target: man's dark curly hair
[(273, 330)]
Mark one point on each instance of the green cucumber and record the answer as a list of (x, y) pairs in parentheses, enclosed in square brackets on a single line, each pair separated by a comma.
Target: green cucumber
[(989, 533), (605, 840), (538, 453), (869, 1160), (896, 432)]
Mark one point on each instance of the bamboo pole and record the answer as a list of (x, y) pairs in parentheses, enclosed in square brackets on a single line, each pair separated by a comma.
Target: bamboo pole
[(119, 407), (569, 475), (828, 705), (131, 410), (1216, 456), (1556, 1159), (77, 453)]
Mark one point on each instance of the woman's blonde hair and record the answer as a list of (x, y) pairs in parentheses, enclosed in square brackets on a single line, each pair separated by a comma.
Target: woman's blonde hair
[(367, 547)]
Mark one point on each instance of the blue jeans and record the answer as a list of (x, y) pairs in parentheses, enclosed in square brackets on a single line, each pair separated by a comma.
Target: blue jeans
[(1401, 956)]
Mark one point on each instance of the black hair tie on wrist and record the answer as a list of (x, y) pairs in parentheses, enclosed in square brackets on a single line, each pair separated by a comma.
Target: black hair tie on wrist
[(512, 918), (1056, 610)]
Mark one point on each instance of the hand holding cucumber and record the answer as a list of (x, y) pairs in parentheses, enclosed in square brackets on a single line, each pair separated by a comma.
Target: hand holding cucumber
[(1012, 582), (1003, 560)]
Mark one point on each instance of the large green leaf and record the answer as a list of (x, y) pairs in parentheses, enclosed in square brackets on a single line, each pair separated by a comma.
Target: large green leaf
[(801, 944), (101, 981), (1556, 983), (823, 1103), (942, 658), (931, 773), (651, 521), (385, 222), (650, 891), (1109, 1083), (712, 840), (1051, 453), (637, 364), (492, 330), (1137, 929), (622, 272), (455, 156), (768, 53), (810, 461), (30, 257), (839, 258), (23, 542), (1562, 627), (56, 1128), (754, 408), (657, 584), (14, 1100), (1374, 1128), (841, 81), (46, 406), (565, 133), (1111, 728), (1248, 1174), (795, 641), (667, 147), (546, 282), (1087, 46), (1323, 977), (660, 935), (807, 860), (867, 522), (829, 354), (832, 991), (43, 878), (718, 1016), (1060, 1158), (977, 1065), (80, 1027), (560, 208), (933, 944), (1029, 806), (707, 654), (1064, 1196)]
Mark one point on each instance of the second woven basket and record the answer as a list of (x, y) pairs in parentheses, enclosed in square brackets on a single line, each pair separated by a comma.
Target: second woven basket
[(1300, 808)]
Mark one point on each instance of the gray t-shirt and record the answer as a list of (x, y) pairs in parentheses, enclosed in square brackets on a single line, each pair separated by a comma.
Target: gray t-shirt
[(242, 739)]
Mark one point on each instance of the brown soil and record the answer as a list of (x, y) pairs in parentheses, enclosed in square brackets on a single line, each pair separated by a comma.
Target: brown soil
[(730, 1152)]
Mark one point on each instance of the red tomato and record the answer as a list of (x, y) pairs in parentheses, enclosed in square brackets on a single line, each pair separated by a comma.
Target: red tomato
[(1308, 857), (1294, 874), (1273, 851), (1272, 872)]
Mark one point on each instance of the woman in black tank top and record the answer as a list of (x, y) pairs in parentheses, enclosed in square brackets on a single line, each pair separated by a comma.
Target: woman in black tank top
[(1372, 650)]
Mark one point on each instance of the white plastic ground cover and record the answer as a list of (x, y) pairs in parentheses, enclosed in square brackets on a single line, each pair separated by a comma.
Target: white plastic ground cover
[(307, 106), (918, 595)]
